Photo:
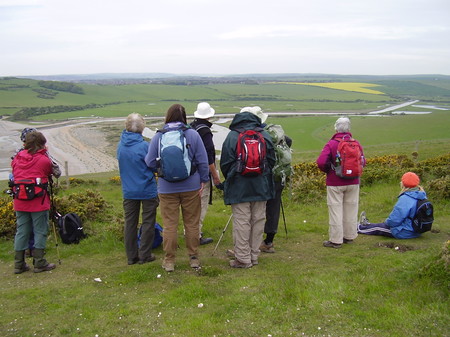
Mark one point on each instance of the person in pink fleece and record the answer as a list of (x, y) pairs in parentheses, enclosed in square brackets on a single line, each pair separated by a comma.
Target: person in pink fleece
[(342, 194)]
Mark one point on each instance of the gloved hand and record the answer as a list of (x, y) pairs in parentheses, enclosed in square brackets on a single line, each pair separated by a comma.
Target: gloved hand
[(220, 186)]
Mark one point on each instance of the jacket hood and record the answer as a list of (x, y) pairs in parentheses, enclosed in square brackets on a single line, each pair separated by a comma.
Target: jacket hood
[(416, 194), (27, 159), (245, 120), (130, 138)]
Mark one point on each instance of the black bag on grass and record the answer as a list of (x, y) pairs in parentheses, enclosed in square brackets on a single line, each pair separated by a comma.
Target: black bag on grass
[(70, 228)]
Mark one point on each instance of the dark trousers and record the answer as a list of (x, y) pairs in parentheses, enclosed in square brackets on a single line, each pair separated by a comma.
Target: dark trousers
[(132, 209), (273, 207), (375, 229)]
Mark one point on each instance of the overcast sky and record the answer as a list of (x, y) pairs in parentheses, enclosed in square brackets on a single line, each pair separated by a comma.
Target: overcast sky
[(51, 37)]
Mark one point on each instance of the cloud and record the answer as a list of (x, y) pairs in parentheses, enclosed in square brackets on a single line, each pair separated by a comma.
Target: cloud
[(333, 31)]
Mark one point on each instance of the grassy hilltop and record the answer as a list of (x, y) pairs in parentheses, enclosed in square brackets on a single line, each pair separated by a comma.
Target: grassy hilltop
[(375, 287)]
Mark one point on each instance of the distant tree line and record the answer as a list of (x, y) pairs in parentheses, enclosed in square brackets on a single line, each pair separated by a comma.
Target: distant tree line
[(29, 112), (62, 86)]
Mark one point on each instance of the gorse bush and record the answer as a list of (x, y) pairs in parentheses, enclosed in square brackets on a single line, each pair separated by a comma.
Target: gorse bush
[(89, 205), (308, 182), (7, 217)]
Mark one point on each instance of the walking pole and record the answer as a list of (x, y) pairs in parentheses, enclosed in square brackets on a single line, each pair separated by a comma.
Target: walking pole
[(221, 236), (284, 218), (53, 215)]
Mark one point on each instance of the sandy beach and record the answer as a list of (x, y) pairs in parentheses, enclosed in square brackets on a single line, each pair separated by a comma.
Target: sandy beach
[(78, 143)]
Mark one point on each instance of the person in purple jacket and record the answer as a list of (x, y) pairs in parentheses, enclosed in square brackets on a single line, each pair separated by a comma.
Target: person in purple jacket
[(342, 194), (185, 193)]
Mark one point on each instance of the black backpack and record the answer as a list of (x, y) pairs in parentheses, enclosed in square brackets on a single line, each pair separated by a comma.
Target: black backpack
[(423, 218), (70, 228)]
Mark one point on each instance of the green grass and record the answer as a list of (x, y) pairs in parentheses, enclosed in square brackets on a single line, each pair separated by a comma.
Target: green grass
[(363, 289)]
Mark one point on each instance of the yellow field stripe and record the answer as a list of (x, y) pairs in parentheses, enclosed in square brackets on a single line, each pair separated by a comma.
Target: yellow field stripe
[(347, 86)]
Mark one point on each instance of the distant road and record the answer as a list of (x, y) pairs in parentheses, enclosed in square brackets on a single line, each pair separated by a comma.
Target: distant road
[(394, 107)]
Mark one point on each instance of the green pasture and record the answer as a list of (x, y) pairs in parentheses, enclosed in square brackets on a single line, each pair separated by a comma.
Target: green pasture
[(154, 99)]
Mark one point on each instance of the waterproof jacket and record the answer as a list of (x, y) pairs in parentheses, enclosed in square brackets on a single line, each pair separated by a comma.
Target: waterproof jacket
[(31, 166), (203, 127), (138, 180), (237, 188), (197, 155), (327, 158), (399, 220)]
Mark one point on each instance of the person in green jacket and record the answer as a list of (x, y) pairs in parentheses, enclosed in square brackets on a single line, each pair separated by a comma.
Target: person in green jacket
[(246, 195)]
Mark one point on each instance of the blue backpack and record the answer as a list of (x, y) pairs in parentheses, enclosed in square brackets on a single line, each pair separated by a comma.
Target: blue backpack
[(424, 216), (158, 236), (173, 155)]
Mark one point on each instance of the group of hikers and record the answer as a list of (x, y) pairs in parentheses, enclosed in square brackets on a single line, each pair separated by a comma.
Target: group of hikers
[(177, 170)]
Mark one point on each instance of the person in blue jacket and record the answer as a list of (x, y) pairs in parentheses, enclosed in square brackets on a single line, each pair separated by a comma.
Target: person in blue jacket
[(399, 223), (138, 188)]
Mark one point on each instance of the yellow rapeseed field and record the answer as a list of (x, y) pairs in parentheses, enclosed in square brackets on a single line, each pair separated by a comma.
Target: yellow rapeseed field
[(347, 86)]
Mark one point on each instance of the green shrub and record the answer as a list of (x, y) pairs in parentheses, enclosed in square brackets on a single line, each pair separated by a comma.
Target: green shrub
[(89, 205), (7, 218)]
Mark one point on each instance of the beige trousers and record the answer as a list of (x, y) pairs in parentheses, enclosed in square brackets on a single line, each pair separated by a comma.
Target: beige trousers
[(170, 212), (248, 229), (343, 212)]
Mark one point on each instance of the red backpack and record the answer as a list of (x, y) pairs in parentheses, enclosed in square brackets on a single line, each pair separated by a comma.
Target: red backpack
[(251, 152), (349, 158)]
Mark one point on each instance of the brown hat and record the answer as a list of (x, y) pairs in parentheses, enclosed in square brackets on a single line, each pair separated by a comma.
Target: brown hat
[(410, 179)]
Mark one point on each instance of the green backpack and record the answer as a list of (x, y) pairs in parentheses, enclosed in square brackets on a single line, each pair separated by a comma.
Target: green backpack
[(282, 169)]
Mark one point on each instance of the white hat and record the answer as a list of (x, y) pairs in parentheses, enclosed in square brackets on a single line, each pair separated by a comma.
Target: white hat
[(256, 110), (204, 111)]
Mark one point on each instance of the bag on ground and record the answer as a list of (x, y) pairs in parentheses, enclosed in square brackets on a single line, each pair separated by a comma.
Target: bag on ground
[(282, 169), (251, 152), (173, 157), (424, 217), (349, 158), (157, 241), (70, 228)]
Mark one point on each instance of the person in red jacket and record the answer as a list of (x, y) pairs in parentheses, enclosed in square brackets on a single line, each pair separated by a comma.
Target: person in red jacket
[(342, 194), (31, 170)]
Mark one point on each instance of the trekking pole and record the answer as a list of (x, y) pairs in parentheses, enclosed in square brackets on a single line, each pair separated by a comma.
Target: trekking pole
[(53, 216), (221, 236), (284, 218)]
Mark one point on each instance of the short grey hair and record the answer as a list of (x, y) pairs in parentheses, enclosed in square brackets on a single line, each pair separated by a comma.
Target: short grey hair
[(135, 123), (342, 124)]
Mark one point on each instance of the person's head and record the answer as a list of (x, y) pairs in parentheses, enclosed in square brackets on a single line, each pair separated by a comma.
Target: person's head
[(134, 123), (25, 132), (257, 111), (342, 124), (204, 111), (176, 113), (410, 180), (34, 141)]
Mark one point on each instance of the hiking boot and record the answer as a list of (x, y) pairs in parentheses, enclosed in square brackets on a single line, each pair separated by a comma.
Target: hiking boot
[(134, 261), (40, 263), (22, 269), (48, 267), (194, 262), (19, 262), (362, 219), (205, 241), (255, 262), (168, 266), (238, 264), (230, 253), (151, 258), (348, 240), (330, 244), (267, 248)]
